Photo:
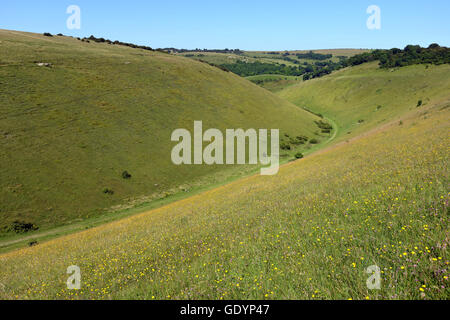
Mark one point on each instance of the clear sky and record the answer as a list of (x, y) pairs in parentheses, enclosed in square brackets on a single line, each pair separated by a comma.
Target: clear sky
[(244, 24)]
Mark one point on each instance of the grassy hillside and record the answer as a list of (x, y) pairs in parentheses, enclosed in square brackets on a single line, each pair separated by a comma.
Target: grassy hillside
[(70, 129), (362, 97), (309, 232)]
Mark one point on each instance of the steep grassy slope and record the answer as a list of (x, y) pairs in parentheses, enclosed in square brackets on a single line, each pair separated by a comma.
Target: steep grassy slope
[(362, 97), (308, 233), (68, 131)]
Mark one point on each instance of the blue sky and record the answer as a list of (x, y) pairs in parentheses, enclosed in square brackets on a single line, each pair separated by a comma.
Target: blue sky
[(244, 24)]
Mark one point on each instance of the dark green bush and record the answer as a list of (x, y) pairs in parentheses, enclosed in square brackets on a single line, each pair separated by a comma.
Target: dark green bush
[(32, 243), (126, 175), (285, 146), (22, 227), (108, 191), (324, 125)]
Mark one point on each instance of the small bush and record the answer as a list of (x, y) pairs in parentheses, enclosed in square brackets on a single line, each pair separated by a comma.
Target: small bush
[(314, 141), (302, 139), (324, 125), (285, 146), (126, 175), (108, 191), (419, 103), (48, 34), (299, 155), (32, 243), (22, 227)]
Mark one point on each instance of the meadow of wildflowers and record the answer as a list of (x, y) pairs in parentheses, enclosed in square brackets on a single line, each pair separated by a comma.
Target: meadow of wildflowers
[(309, 232)]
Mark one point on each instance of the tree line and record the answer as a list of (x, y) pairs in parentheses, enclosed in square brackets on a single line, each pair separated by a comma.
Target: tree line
[(410, 55), (393, 58)]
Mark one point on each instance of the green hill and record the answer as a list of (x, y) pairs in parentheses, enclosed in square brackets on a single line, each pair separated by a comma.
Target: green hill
[(362, 97), (71, 127), (309, 232)]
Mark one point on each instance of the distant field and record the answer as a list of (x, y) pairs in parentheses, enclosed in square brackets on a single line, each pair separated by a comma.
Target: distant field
[(274, 82), (226, 58), (216, 58), (334, 52), (69, 130), (309, 232), (302, 65), (265, 56)]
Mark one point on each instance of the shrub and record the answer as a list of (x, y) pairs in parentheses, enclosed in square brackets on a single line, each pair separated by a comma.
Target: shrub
[(314, 141), (299, 155), (285, 146), (48, 34), (108, 191), (32, 243), (324, 125), (419, 103), (126, 175), (22, 227)]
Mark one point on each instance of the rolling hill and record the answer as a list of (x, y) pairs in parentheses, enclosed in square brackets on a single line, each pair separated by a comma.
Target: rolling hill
[(309, 232), (377, 196), (74, 116), (363, 97)]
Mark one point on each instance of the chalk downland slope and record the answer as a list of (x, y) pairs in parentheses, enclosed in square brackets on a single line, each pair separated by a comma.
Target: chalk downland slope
[(75, 115), (309, 232), (363, 97)]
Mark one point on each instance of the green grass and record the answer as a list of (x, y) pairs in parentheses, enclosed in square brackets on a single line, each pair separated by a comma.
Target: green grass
[(274, 82), (363, 97), (216, 58), (309, 232), (67, 132), (13, 241)]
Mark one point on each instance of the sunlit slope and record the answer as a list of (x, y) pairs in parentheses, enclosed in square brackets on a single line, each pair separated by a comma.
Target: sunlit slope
[(69, 131), (309, 232), (362, 97)]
